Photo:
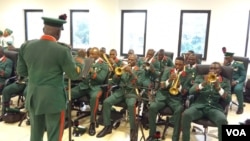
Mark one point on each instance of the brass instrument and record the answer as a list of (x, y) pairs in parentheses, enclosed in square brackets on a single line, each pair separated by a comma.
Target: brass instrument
[(174, 88), (119, 70), (107, 60), (212, 77)]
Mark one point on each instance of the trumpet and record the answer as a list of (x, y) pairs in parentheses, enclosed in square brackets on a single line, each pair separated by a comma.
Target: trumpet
[(107, 60), (119, 70), (174, 88), (211, 77)]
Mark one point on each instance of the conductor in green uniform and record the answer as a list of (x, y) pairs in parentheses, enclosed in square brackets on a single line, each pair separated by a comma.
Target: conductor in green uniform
[(207, 100), (173, 78), (46, 99), (239, 77)]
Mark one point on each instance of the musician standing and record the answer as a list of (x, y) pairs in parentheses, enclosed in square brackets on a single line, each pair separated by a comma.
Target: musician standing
[(91, 86), (165, 97), (46, 98), (207, 101), (127, 82)]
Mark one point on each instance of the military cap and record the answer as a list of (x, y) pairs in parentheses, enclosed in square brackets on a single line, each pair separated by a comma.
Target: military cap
[(53, 22), (229, 54), (1, 32), (8, 31)]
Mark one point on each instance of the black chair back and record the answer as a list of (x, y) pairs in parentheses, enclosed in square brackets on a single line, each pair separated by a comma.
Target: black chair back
[(244, 60), (169, 54), (12, 55)]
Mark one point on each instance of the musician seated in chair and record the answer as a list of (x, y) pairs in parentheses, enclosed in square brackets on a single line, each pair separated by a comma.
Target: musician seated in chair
[(148, 59), (239, 77), (164, 60), (208, 91), (127, 80), (6, 67), (91, 86), (114, 61), (9, 91), (174, 85)]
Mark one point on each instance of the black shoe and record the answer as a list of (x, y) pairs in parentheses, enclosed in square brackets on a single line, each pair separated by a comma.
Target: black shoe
[(239, 111), (150, 138), (92, 129), (106, 130)]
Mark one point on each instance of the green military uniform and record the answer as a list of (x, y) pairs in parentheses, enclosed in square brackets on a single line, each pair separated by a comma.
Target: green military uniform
[(127, 84), (163, 98), (206, 104), (91, 86), (6, 66), (239, 75), (117, 63), (8, 92), (165, 62), (46, 96), (192, 71)]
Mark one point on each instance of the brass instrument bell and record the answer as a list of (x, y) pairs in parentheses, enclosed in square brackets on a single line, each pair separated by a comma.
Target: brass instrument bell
[(212, 77)]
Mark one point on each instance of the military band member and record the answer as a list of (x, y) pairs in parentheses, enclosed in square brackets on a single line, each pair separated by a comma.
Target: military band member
[(7, 37), (148, 59), (191, 66), (164, 60), (239, 77), (127, 81), (175, 77), (46, 98), (207, 96), (6, 68), (9, 91), (91, 86), (114, 61)]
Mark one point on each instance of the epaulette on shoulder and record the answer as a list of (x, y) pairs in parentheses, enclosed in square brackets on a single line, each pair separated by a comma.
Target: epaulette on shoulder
[(63, 44)]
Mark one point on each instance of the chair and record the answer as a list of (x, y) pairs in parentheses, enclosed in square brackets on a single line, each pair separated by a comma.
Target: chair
[(202, 70), (12, 55), (245, 61), (169, 54), (198, 56)]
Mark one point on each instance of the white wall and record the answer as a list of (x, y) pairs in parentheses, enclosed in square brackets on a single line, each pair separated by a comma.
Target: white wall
[(228, 23)]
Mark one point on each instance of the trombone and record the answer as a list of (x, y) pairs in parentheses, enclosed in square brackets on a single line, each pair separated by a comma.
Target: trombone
[(107, 60)]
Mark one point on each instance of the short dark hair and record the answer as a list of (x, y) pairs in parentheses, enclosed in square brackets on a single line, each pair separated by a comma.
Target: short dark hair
[(180, 58)]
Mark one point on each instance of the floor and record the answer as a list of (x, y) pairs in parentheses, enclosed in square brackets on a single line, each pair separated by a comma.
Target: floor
[(12, 132)]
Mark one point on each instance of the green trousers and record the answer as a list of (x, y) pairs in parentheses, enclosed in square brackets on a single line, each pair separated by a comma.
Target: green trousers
[(238, 90), (10, 91), (114, 99), (52, 123), (193, 113), (176, 105), (94, 95)]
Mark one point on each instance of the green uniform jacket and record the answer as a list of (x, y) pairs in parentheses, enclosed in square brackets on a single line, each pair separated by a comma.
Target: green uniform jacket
[(6, 66), (128, 82), (191, 71), (208, 96), (96, 79), (44, 61), (184, 81), (239, 72)]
